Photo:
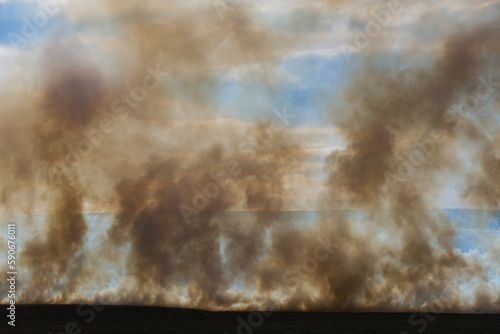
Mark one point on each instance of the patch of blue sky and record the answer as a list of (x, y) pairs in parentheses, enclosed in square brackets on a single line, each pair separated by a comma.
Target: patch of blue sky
[(27, 227), (245, 100), (309, 78), (466, 241), (11, 17), (27, 25), (471, 227), (314, 76), (494, 277), (494, 223), (98, 224)]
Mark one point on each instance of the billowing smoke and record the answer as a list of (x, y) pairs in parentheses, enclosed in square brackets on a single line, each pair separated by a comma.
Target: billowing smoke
[(203, 201)]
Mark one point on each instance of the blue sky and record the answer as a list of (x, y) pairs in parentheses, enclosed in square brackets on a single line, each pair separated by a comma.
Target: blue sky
[(18, 17)]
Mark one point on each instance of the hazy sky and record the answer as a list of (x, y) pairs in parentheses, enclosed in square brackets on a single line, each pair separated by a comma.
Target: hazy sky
[(166, 115)]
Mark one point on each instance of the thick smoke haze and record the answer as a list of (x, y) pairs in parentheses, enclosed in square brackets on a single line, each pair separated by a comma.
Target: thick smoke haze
[(231, 155)]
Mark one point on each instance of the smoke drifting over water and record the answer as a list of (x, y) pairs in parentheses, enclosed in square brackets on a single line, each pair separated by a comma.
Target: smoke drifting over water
[(165, 117)]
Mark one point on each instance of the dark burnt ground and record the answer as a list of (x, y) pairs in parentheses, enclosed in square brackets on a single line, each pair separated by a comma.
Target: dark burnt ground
[(136, 319)]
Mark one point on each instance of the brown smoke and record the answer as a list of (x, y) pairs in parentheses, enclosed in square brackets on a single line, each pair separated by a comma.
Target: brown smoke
[(70, 99), (387, 109), (483, 186), (200, 213)]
